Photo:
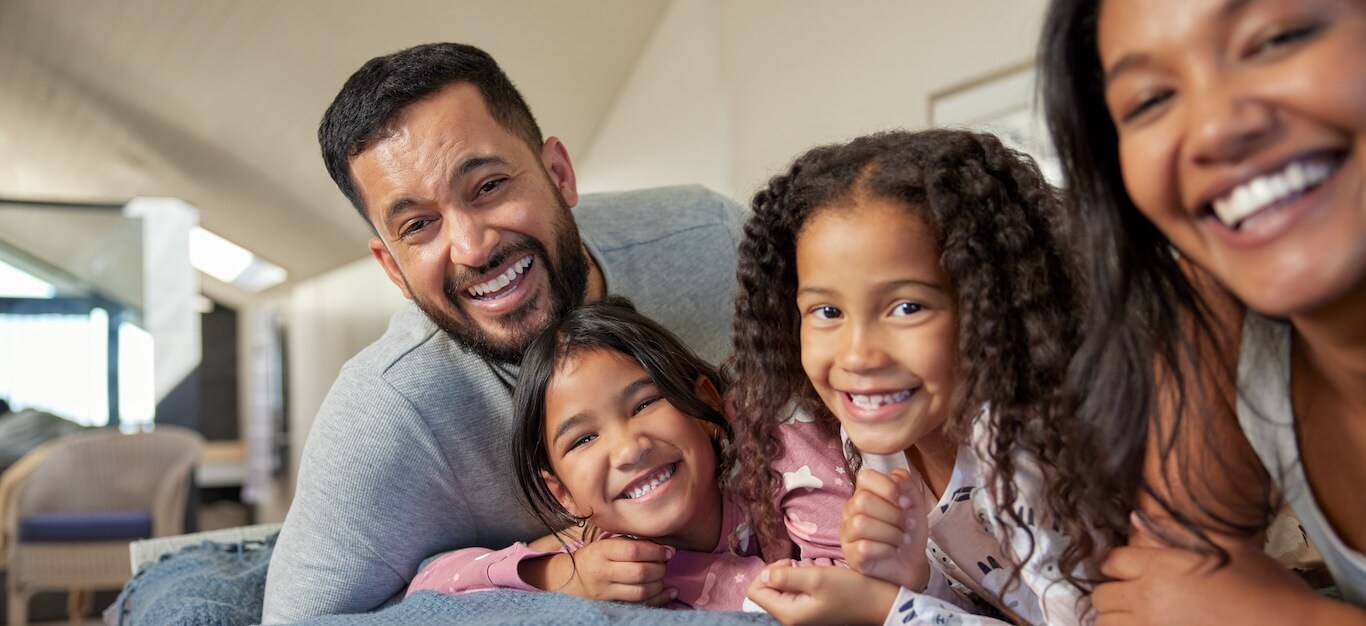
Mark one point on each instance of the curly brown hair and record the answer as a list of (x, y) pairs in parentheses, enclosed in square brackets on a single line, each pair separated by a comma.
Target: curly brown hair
[(1000, 232)]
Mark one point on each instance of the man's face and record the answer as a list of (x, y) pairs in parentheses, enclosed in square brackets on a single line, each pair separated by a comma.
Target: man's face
[(472, 224)]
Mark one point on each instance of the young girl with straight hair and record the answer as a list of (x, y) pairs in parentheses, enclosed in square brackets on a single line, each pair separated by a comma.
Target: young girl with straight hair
[(1217, 163), (620, 429), (914, 288)]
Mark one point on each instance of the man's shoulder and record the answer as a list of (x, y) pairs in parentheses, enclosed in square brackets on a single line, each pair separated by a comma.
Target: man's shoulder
[(412, 356), (629, 217)]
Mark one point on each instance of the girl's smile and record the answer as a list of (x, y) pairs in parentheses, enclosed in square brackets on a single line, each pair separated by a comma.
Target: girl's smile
[(878, 324), (627, 459)]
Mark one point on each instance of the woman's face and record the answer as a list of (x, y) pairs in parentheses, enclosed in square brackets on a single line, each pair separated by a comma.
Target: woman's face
[(1242, 136)]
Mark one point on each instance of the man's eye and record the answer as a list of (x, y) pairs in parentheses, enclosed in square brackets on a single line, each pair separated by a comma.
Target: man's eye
[(415, 226), (491, 185)]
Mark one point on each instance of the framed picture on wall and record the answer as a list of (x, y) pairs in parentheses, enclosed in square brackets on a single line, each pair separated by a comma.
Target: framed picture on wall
[(1004, 103)]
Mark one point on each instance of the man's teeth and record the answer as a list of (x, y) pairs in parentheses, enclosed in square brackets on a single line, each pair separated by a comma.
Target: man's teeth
[(665, 473), (502, 280), (1259, 193), (870, 402)]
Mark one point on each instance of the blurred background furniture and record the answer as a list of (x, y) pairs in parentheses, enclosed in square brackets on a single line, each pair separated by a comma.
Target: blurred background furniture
[(71, 506)]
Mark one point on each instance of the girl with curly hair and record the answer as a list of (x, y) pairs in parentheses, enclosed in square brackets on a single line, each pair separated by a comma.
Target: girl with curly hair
[(1216, 162), (914, 288)]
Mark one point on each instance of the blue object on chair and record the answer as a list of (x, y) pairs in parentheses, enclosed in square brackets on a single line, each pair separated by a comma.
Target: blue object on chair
[(103, 526)]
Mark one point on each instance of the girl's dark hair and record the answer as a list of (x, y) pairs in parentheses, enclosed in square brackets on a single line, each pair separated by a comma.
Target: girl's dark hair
[(1147, 322), (611, 323), (997, 226)]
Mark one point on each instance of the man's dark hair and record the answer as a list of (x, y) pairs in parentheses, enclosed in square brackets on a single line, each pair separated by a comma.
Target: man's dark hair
[(383, 87)]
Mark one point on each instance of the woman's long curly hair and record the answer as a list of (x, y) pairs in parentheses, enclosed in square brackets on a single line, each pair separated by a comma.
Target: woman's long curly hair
[(1150, 327), (1001, 239)]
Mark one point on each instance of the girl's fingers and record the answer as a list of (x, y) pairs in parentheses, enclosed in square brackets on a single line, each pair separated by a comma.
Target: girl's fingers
[(874, 506), (865, 528), (882, 486)]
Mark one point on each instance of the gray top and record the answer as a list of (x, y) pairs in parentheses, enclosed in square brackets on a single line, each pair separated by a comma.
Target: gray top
[(1268, 420), (408, 455)]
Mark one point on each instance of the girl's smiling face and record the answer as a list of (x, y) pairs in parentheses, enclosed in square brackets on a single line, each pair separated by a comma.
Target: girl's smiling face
[(625, 458), (1242, 133), (879, 328)]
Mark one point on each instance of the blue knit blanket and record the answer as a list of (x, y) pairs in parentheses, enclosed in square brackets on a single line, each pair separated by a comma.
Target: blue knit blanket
[(219, 584)]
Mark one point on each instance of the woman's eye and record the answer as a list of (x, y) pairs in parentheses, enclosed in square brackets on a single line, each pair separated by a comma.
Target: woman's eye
[(1146, 104), (1282, 38), (907, 308)]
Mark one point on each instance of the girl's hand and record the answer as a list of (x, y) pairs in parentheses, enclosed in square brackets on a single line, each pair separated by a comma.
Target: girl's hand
[(1161, 585), (883, 530), (621, 569), (821, 595)]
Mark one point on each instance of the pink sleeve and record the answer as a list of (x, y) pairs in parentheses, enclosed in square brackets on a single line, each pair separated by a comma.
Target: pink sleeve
[(711, 581), (476, 569), (815, 487)]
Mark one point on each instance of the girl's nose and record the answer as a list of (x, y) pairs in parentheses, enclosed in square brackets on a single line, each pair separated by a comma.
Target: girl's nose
[(861, 349), (631, 449)]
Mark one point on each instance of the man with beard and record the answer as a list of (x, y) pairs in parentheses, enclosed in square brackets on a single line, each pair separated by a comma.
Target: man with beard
[(471, 210)]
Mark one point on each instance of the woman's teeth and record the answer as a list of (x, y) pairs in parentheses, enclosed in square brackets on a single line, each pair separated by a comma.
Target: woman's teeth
[(1252, 197), (664, 474), (502, 280), (869, 402)]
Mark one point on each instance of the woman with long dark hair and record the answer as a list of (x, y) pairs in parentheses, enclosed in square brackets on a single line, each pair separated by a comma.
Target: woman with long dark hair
[(1215, 153)]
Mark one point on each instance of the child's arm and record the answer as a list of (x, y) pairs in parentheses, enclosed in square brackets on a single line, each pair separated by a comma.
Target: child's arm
[(815, 488), (621, 569)]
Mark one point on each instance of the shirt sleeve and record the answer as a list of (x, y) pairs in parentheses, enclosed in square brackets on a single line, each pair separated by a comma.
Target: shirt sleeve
[(711, 581), (375, 496), (477, 569), (815, 487)]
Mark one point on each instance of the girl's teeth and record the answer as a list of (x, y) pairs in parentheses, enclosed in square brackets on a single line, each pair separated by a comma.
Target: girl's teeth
[(870, 402), (501, 280), (1259, 193), (654, 482)]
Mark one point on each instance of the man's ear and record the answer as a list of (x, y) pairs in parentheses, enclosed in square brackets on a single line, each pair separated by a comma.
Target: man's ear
[(386, 261), (555, 159), (561, 494), (707, 393)]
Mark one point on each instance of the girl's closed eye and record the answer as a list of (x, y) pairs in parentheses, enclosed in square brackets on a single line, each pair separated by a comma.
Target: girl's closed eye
[(581, 440), (644, 404)]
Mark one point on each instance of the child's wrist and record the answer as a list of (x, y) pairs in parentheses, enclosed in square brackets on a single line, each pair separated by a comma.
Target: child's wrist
[(544, 572)]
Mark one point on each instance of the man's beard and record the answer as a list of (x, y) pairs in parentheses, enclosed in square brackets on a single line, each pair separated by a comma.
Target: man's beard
[(566, 275)]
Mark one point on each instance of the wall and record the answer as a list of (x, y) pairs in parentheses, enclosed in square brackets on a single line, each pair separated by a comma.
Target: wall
[(725, 94), (746, 86)]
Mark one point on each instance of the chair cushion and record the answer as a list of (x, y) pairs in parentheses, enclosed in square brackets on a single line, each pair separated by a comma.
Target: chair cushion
[(102, 526)]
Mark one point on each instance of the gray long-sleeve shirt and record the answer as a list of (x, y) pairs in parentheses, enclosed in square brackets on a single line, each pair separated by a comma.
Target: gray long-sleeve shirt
[(408, 455)]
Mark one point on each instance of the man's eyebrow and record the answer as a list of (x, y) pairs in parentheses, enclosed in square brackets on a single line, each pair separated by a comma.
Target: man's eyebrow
[(468, 165)]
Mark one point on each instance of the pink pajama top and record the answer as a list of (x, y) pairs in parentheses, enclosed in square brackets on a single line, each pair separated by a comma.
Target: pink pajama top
[(815, 486)]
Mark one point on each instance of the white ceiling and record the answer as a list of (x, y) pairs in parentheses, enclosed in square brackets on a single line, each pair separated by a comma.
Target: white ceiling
[(217, 102)]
